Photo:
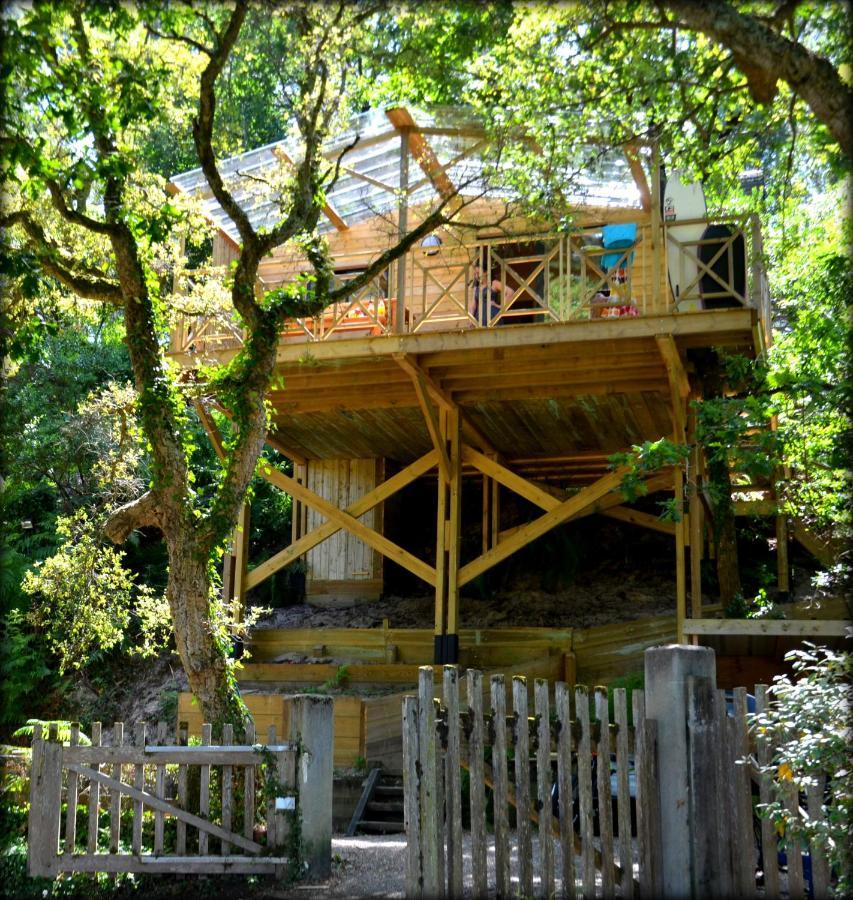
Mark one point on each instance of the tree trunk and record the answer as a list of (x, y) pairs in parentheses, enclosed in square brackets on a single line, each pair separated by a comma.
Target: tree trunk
[(725, 533), (202, 647)]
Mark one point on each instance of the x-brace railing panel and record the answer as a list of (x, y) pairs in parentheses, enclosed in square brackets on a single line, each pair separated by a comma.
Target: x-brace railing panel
[(525, 284), (726, 245), (445, 292)]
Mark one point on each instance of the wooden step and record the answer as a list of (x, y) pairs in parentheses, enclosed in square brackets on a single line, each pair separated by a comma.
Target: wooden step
[(382, 791), (381, 827), (375, 809)]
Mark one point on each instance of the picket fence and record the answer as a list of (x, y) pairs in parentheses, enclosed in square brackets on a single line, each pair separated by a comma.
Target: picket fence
[(588, 849)]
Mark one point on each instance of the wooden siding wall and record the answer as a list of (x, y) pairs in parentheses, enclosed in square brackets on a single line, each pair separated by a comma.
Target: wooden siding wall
[(274, 709), (224, 251), (342, 565)]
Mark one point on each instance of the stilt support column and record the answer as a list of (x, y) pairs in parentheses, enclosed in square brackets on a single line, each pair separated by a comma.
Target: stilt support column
[(447, 543)]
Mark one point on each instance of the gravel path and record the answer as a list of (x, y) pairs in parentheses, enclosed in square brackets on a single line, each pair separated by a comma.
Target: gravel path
[(375, 866)]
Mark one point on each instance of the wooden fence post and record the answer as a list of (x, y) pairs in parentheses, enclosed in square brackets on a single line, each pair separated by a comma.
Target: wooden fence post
[(522, 786), (476, 744), (311, 726), (667, 671), (706, 741), (453, 783), (45, 806), (411, 798), (429, 826), (501, 784)]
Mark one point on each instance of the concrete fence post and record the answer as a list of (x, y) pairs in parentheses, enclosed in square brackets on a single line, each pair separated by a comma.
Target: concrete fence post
[(311, 725), (672, 674)]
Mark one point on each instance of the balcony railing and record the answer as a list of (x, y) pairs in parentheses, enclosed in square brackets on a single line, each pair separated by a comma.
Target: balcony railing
[(540, 278)]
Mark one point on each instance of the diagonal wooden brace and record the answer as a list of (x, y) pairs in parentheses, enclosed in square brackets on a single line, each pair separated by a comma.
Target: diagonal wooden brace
[(364, 504), (378, 541), (561, 513), (164, 806)]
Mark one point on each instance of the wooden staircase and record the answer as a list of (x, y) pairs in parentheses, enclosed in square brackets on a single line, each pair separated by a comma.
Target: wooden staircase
[(380, 807)]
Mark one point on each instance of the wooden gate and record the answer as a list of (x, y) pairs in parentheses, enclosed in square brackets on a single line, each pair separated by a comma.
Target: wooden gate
[(588, 841), (131, 805)]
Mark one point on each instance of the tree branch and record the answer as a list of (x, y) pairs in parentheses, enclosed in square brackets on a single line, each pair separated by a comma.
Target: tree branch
[(144, 512), (203, 123), (72, 215), (85, 282)]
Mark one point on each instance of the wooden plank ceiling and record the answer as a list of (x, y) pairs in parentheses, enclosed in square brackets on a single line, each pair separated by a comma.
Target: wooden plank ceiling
[(556, 410)]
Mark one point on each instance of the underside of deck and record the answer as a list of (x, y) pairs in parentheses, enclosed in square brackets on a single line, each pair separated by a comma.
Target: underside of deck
[(556, 398)]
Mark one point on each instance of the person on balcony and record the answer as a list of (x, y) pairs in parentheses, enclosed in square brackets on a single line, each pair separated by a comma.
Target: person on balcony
[(486, 298)]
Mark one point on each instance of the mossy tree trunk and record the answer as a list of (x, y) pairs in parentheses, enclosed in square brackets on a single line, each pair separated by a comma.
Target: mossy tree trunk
[(128, 278)]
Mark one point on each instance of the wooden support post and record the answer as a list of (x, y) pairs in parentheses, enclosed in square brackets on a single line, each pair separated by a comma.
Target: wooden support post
[(403, 226), (441, 559), (680, 573), (447, 543), (454, 446), (695, 509), (486, 530), (240, 542), (496, 513), (659, 302)]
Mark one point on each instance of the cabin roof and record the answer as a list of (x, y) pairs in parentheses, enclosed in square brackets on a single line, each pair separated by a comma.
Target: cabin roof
[(448, 145)]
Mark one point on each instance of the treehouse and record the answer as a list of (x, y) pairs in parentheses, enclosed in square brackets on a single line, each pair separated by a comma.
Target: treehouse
[(500, 355)]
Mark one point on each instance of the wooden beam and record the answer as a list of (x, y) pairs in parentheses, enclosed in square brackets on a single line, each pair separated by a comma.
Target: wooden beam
[(432, 423), (378, 541), (674, 365), (402, 120), (642, 519), (270, 439), (331, 213), (240, 544), (454, 519), (639, 175), (522, 486), (774, 627), (680, 542), (209, 426), (364, 504), (410, 364), (721, 327), (566, 510)]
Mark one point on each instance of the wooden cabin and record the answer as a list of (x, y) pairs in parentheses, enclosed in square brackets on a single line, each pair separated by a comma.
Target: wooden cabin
[(579, 352)]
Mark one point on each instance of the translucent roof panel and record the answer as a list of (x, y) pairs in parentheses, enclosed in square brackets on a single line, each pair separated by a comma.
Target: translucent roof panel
[(369, 178)]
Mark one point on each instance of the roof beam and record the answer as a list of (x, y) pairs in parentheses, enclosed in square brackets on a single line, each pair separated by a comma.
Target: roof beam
[(331, 213), (401, 119)]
